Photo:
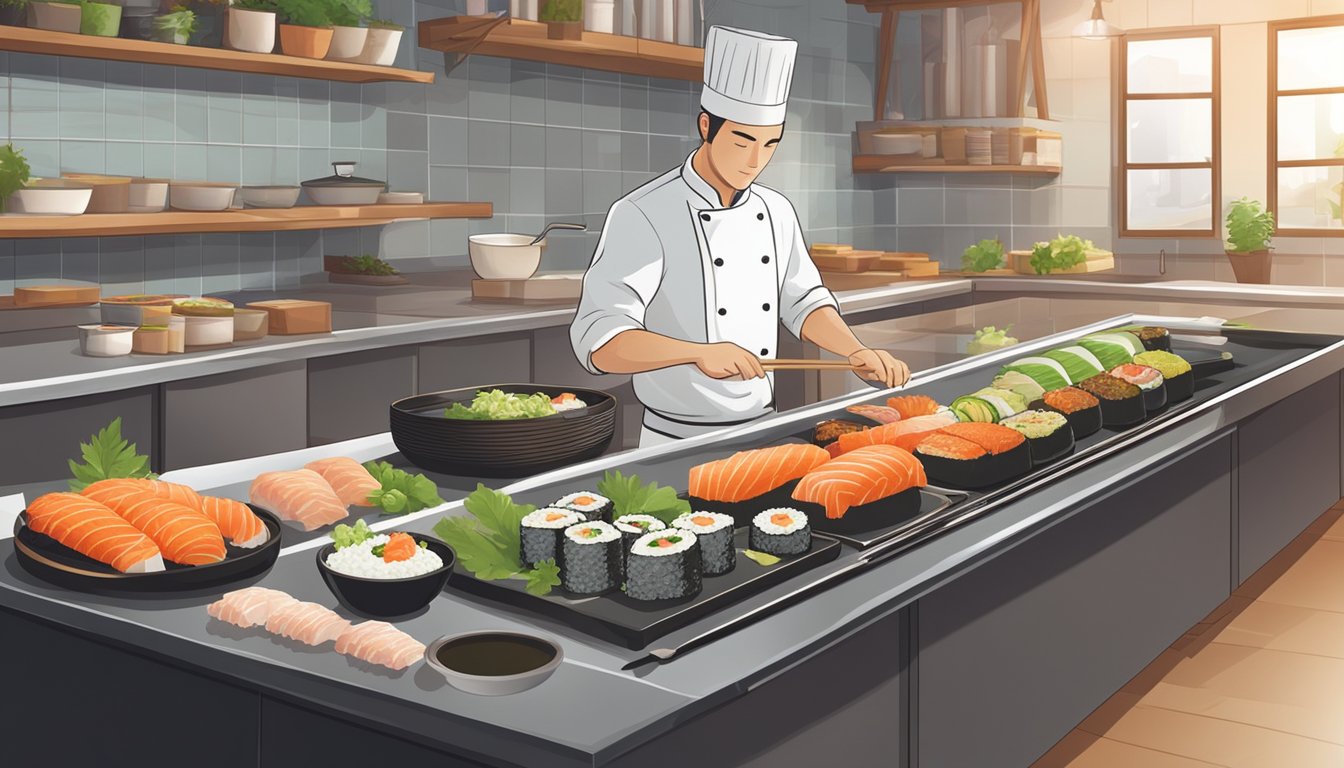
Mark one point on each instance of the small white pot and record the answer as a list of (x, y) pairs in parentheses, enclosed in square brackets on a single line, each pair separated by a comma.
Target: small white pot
[(269, 196), (251, 30), (201, 196), (381, 47), (209, 331), (347, 43), (106, 340), (599, 15), (504, 257), (147, 196), (55, 200)]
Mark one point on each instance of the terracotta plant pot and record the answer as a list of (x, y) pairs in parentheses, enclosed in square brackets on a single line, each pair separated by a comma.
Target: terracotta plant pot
[(381, 47), (564, 30), (347, 43), (306, 42), (251, 30), (100, 20), (1251, 267), (57, 17)]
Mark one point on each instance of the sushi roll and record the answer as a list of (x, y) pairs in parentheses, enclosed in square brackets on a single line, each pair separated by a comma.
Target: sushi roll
[(1154, 338), (1180, 377), (988, 405), (974, 455), (1147, 379), (541, 531), (1020, 383), (780, 531), (1121, 402), (1047, 432), (1082, 409), (1113, 349), (590, 558), (589, 504), (664, 565), (1049, 373), (634, 526), (715, 534), (1077, 361)]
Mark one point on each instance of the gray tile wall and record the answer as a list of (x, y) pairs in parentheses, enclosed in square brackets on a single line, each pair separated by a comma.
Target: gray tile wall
[(541, 142)]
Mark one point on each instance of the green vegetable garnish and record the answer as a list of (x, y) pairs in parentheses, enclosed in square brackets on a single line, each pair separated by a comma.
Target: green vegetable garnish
[(541, 579), (108, 455), (761, 558), (496, 405), (378, 550), (348, 535), (14, 172), (590, 533), (402, 492), (487, 542), (983, 256), (1064, 252), (632, 497)]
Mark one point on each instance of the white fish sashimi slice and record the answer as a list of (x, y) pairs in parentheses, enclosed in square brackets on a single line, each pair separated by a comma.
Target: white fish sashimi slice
[(378, 642)]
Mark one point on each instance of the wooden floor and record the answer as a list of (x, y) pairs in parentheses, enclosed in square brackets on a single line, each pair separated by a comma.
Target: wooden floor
[(1258, 684)]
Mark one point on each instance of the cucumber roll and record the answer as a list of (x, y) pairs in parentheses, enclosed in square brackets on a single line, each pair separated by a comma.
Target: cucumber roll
[(715, 533), (541, 531), (634, 526), (780, 532), (664, 565)]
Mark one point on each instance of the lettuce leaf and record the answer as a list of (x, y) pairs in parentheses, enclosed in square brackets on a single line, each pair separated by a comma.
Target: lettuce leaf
[(487, 543), (495, 404), (106, 456), (402, 492), (347, 535), (543, 578), (477, 550), (633, 497)]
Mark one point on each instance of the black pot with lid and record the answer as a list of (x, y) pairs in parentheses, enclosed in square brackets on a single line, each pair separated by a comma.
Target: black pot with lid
[(344, 187)]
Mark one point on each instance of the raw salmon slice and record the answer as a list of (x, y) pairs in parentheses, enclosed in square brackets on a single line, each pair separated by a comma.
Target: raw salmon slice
[(95, 531), (861, 477), (910, 406), (308, 623), (892, 434), (882, 414), (378, 642), (249, 607), (749, 474), (239, 524), (183, 535), (351, 481), (301, 496)]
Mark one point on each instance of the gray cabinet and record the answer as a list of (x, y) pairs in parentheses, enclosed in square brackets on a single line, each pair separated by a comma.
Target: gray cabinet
[(1014, 654), (238, 415), (349, 395), (38, 438), (504, 359)]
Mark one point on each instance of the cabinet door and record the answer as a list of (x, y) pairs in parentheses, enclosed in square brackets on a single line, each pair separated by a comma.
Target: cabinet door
[(349, 395), (238, 415), (1017, 652), (292, 736), (55, 429)]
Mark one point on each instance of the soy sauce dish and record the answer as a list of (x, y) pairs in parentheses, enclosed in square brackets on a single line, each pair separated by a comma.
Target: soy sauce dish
[(494, 663)]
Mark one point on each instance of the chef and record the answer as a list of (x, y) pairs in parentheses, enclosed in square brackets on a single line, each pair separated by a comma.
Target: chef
[(696, 270)]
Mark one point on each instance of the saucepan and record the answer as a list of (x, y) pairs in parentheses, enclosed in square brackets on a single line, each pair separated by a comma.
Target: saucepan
[(510, 257)]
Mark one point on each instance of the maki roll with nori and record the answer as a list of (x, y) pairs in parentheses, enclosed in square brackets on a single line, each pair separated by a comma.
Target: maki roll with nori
[(591, 505), (590, 559), (541, 531), (1077, 361), (634, 526), (1121, 402), (1047, 432), (1175, 369), (974, 455), (1154, 338), (1082, 409), (1014, 381), (988, 405), (1112, 349), (664, 565), (1147, 379), (715, 534), (780, 531)]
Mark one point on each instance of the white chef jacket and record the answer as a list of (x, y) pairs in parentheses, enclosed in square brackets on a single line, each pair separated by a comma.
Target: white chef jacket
[(673, 261)]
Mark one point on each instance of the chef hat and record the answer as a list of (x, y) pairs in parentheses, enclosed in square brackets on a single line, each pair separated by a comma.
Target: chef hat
[(747, 75)]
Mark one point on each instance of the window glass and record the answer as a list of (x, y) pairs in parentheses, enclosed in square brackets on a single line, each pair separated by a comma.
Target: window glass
[(1170, 199), (1170, 131), (1183, 65)]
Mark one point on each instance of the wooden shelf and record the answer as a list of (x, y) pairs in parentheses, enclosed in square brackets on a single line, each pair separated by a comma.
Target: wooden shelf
[(25, 40), (527, 40), (250, 220), (883, 164)]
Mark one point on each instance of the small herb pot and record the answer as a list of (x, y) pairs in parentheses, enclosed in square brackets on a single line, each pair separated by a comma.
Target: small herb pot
[(564, 30), (347, 43), (56, 17), (305, 42), (100, 20), (1254, 267), (252, 31), (381, 47)]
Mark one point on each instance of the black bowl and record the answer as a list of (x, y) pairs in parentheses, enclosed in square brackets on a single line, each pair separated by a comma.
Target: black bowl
[(383, 598), (512, 448)]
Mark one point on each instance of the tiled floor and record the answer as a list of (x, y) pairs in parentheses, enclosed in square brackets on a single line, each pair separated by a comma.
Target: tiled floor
[(1258, 684)]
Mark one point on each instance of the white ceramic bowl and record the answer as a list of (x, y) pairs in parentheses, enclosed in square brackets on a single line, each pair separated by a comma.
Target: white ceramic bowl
[(148, 196), (347, 43), (495, 685), (898, 143), (209, 331), (106, 340), (200, 196), (352, 194), (53, 200), (250, 324), (504, 257), (401, 198), (270, 197)]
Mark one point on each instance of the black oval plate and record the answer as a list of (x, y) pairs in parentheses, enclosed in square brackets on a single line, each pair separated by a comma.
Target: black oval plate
[(51, 561)]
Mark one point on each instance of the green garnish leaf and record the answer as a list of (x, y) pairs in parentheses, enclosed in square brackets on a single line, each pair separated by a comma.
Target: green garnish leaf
[(378, 550), (1064, 252), (348, 535), (106, 456), (983, 256), (402, 492), (632, 497), (495, 405), (541, 579), (14, 172), (761, 558), (424, 545), (476, 549)]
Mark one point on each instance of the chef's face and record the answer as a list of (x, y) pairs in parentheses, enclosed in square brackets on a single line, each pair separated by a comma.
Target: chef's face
[(740, 152)]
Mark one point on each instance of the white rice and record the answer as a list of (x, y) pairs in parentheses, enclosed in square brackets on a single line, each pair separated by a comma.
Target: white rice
[(606, 533), (763, 521), (597, 504), (569, 405), (641, 545), (358, 560), (721, 521), (538, 519), (654, 524)]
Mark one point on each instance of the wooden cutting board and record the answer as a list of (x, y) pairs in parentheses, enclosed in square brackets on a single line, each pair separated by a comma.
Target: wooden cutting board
[(850, 261), (547, 289), (1097, 261), (289, 317), (55, 296), (830, 248), (845, 281), (349, 279), (897, 261), (922, 269)]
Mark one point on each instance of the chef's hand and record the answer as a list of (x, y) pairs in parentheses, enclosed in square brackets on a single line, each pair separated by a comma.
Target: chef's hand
[(726, 361), (879, 365)]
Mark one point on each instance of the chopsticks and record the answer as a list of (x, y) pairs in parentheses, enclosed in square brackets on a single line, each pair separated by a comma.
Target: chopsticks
[(806, 365)]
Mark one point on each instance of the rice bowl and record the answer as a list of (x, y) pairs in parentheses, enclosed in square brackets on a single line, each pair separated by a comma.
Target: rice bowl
[(358, 560)]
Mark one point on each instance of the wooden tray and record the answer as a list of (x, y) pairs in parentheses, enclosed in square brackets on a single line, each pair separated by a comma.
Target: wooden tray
[(849, 261), (1097, 261), (560, 289)]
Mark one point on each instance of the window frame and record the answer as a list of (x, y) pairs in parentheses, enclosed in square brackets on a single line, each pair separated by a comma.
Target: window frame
[(1275, 164), (1215, 162)]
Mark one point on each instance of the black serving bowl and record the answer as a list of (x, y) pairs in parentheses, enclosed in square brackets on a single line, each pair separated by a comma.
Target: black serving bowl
[(510, 448), (384, 598)]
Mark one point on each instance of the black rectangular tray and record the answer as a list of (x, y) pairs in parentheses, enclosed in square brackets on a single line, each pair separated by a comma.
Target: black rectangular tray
[(619, 619), (933, 501)]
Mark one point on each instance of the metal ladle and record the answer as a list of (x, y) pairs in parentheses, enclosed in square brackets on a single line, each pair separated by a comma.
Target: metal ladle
[(557, 225)]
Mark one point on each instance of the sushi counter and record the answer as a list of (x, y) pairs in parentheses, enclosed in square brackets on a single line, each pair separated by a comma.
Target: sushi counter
[(1005, 595)]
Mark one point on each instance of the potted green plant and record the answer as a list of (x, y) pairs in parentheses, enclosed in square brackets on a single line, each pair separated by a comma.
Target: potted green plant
[(1249, 229), (984, 256), (13, 12), (381, 46), (56, 17), (175, 26), (99, 19), (13, 173), (251, 26), (564, 19), (209, 29), (305, 27), (348, 38)]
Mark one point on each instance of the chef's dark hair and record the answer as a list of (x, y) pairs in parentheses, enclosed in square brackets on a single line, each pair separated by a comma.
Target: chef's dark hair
[(715, 124)]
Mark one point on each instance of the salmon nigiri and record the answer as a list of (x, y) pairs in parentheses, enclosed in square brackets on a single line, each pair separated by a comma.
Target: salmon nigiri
[(378, 642), (860, 477), (95, 531), (250, 606), (239, 524), (891, 434), (749, 474), (182, 534), (301, 496), (351, 481)]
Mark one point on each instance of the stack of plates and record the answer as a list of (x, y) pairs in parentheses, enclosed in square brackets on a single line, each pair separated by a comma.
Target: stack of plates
[(1000, 145), (979, 147)]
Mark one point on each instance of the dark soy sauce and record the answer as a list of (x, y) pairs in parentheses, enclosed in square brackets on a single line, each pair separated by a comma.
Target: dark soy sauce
[(495, 655)]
